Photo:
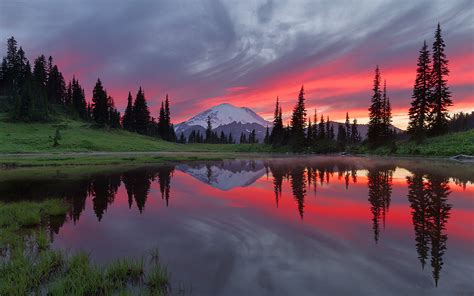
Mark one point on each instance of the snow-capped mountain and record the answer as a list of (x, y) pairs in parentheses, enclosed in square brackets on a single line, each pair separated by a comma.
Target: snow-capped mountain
[(227, 118), (225, 114)]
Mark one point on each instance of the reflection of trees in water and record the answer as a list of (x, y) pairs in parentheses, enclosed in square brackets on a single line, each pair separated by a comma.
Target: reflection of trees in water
[(380, 191), (104, 188), (302, 177), (428, 197), (298, 186), (164, 179)]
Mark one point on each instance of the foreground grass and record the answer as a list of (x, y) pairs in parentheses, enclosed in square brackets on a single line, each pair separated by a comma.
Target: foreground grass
[(28, 266)]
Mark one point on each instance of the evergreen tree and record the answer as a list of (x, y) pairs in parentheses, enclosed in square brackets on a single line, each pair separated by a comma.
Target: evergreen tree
[(341, 134), (420, 105), (127, 120), (100, 108), (440, 97), (309, 133), (276, 136), (209, 130), (328, 129), (78, 99), (231, 139), (40, 74), (355, 135), (182, 139), (266, 140), (114, 115), (298, 123), (141, 113), (322, 129), (387, 115), (55, 85), (374, 134), (348, 128)]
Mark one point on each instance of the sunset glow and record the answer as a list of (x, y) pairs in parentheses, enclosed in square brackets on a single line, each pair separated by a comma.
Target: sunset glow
[(247, 55)]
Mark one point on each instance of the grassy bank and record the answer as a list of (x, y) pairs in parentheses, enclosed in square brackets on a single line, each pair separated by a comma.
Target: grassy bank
[(447, 145), (29, 266), (76, 136)]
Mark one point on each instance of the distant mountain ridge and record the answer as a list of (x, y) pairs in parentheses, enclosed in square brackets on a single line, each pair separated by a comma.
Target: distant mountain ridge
[(228, 118)]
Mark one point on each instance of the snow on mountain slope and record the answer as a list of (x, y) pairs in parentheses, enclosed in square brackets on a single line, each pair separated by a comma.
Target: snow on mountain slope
[(225, 114)]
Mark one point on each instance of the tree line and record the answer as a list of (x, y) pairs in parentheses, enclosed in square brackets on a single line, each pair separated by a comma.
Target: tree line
[(303, 134), (36, 94)]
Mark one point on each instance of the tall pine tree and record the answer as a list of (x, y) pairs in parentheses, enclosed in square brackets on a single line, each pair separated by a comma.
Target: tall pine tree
[(276, 136), (440, 98), (141, 113), (100, 108), (420, 105), (374, 134), (298, 123), (127, 120)]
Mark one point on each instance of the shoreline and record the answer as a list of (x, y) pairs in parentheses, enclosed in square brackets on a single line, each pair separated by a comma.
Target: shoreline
[(135, 158)]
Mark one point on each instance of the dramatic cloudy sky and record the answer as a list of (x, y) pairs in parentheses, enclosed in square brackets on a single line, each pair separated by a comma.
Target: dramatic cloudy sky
[(206, 52)]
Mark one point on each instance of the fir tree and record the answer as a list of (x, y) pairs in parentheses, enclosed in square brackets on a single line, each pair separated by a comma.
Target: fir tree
[(276, 136), (266, 140), (298, 123), (127, 120), (386, 115), (374, 134), (141, 113), (40, 74), (355, 136), (341, 135), (100, 108), (440, 97), (209, 130), (420, 105), (348, 128), (322, 129)]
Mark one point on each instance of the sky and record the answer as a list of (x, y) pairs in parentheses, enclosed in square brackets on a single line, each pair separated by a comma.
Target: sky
[(206, 52)]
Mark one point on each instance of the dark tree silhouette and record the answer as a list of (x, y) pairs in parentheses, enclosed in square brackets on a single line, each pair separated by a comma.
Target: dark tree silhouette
[(440, 97), (276, 136), (420, 105), (127, 120), (298, 123), (420, 204), (141, 113), (298, 186), (374, 134), (100, 108), (380, 190)]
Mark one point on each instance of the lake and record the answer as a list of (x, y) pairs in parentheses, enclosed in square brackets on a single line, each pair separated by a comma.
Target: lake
[(274, 226)]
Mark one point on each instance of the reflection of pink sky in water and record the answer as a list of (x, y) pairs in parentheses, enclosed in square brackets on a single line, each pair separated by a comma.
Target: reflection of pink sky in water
[(336, 232)]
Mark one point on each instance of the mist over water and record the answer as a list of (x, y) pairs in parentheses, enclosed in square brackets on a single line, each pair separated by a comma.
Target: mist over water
[(275, 226)]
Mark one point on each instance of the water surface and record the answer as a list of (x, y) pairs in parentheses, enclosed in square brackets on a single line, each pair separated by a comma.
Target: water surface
[(276, 226)]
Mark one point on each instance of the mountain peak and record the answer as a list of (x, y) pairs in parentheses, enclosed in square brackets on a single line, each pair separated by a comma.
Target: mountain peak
[(224, 114)]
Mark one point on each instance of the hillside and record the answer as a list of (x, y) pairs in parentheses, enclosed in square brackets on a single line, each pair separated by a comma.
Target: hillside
[(78, 136), (448, 145)]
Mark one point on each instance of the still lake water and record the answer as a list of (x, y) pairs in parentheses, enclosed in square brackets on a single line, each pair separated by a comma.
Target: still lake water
[(277, 226)]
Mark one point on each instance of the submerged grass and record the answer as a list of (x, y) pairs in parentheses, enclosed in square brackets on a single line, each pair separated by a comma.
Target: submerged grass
[(29, 266)]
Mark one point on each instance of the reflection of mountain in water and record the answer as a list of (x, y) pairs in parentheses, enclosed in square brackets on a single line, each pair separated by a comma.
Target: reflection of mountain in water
[(428, 191), (227, 174)]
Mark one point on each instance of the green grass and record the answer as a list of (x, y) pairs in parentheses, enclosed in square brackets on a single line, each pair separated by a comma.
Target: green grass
[(77, 136), (447, 145), (30, 267)]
